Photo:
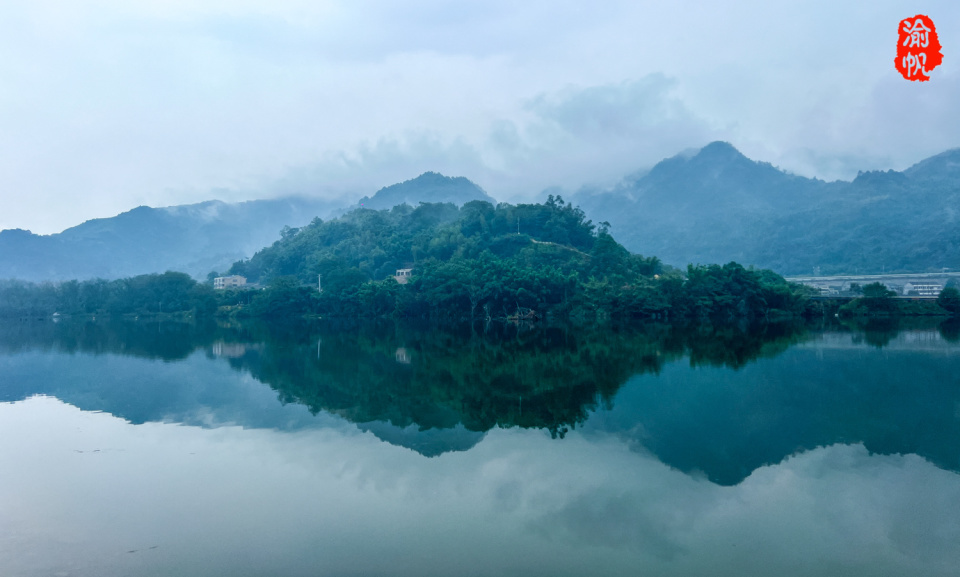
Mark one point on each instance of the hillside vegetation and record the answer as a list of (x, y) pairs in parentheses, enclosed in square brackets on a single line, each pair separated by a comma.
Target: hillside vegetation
[(170, 292), (494, 261)]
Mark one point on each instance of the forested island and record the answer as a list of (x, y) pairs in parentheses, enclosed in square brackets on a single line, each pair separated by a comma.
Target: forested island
[(478, 261)]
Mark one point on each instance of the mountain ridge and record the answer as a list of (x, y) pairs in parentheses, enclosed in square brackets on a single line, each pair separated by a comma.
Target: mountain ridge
[(717, 205), (195, 238), (189, 238), (712, 204)]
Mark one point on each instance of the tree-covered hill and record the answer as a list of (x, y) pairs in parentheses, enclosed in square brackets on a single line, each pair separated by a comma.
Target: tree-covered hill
[(717, 205), (493, 261), (378, 242), (478, 261)]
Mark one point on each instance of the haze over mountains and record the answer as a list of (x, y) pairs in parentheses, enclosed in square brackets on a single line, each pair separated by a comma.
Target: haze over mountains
[(428, 187), (195, 238), (708, 206), (716, 205)]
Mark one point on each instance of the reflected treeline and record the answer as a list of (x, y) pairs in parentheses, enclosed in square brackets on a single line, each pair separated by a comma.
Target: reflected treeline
[(504, 376), (736, 346), (878, 332), (482, 377), (165, 340), (950, 330)]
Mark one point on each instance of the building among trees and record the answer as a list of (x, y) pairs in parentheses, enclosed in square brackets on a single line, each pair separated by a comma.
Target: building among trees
[(224, 282), (403, 275), (922, 289)]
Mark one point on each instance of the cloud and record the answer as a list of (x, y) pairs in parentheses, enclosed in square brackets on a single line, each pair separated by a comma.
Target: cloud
[(576, 136), (896, 125), (115, 104), (371, 166), (600, 133), (828, 509)]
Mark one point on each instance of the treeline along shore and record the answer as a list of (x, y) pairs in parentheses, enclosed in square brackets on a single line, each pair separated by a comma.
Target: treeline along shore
[(479, 261)]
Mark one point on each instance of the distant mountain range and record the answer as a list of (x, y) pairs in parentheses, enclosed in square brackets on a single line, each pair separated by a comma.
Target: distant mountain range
[(713, 205), (195, 238), (716, 205)]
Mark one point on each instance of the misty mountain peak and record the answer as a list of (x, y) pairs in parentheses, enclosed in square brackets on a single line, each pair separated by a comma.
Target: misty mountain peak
[(717, 160), (945, 165), (428, 187), (720, 151), (208, 210)]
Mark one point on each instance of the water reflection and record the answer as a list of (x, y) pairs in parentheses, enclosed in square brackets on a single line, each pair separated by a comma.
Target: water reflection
[(716, 401), (785, 450), (901, 399), (96, 496), (476, 378)]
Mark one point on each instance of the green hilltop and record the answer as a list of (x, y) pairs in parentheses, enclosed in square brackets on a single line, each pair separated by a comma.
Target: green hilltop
[(492, 261)]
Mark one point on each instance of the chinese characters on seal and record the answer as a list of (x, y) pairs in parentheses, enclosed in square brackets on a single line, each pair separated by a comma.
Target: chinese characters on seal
[(918, 48)]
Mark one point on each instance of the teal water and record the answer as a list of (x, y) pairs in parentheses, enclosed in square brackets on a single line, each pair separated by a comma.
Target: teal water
[(322, 449)]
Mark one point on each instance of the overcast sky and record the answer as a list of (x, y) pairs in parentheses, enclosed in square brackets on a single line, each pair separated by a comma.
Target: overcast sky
[(106, 105)]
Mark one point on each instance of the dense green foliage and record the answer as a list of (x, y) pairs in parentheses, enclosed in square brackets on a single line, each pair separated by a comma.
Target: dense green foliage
[(949, 299), (488, 261), (475, 261), (169, 292), (879, 301)]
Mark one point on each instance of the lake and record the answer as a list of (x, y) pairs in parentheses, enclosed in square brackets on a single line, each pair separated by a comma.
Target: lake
[(382, 449)]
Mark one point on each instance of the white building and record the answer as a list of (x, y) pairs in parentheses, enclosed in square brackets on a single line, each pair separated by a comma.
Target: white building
[(223, 282), (922, 290), (403, 275)]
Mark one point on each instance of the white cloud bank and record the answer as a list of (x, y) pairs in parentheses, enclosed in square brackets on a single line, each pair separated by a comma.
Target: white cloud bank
[(111, 104)]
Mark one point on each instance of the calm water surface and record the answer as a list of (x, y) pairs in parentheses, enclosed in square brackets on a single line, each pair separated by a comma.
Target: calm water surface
[(334, 450)]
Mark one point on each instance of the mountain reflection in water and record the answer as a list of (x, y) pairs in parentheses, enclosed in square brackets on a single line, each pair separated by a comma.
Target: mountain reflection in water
[(743, 398)]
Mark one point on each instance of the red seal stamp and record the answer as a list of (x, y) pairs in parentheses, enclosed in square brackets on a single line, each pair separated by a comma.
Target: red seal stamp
[(918, 48)]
